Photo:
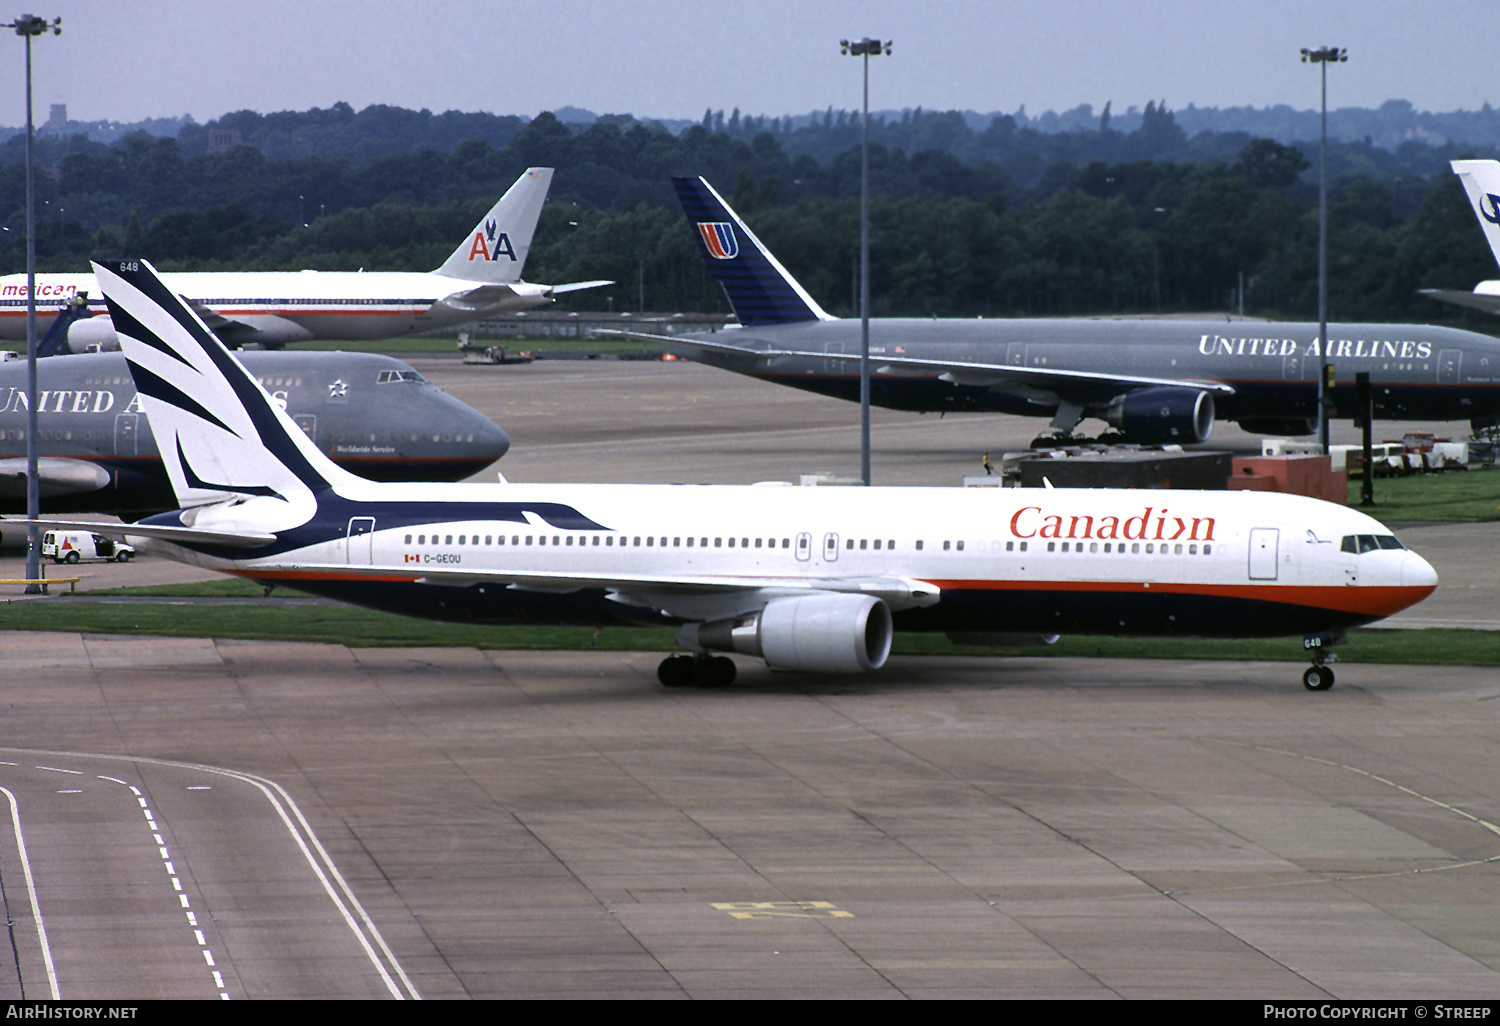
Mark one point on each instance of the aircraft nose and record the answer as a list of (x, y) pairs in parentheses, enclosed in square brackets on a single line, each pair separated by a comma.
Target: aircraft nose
[(480, 440), (1416, 572), (490, 440)]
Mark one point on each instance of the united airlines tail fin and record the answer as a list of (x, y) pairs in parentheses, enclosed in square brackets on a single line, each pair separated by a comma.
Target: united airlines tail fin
[(1481, 180), (759, 289), (495, 251), (221, 436)]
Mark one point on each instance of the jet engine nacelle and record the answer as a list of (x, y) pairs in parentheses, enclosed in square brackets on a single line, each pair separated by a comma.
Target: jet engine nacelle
[(1277, 426), (827, 633), (93, 335), (1161, 415)]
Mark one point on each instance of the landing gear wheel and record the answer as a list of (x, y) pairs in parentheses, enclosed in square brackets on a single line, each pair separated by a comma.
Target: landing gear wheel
[(702, 671), (1053, 441), (1317, 678), (715, 672), (675, 671)]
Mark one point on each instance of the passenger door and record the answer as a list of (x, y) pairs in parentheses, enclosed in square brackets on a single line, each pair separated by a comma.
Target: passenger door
[(834, 368), (1263, 553), (361, 539), (125, 434), (1449, 363)]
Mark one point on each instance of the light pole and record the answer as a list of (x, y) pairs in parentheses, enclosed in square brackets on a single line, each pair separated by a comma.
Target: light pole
[(1323, 57), (27, 26), (865, 48)]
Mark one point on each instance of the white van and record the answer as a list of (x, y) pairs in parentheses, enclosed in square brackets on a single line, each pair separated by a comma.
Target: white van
[(72, 546)]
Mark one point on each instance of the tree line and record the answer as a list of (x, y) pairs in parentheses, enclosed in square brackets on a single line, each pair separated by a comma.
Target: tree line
[(1068, 223)]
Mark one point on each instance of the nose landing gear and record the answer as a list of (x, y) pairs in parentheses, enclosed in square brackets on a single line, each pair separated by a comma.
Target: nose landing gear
[(1318, 677)]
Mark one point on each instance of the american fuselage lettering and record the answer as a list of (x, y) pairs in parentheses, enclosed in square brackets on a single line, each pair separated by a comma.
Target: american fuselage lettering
[(42, 289)]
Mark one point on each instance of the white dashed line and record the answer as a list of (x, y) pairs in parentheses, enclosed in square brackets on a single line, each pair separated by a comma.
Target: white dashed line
[(166, 857), (318, 860)]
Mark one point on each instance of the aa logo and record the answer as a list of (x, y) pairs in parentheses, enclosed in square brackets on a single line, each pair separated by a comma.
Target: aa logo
[(490, 245)]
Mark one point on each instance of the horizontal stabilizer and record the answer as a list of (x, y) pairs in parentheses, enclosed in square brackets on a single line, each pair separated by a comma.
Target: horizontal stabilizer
[(158, 532), (578, 285)]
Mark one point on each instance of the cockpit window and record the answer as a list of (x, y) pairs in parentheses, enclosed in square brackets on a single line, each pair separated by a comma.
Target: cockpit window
[(1360, 543), (388, 376)]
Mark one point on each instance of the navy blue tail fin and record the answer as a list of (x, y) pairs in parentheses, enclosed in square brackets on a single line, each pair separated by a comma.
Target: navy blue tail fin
[(219, 433), (759, 288)]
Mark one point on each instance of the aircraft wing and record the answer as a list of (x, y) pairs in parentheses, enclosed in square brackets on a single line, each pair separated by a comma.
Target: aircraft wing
[(650, 589), (707, 345), (991, 375), (1489, 303), (231, 332), (56, 477)]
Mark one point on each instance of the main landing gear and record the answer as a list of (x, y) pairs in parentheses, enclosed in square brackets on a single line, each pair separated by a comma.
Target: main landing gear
[(696, 671), (1318, 677), (1070, 441)]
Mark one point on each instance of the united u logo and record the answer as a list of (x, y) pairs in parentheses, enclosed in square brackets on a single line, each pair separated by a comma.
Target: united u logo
[(718, 237)]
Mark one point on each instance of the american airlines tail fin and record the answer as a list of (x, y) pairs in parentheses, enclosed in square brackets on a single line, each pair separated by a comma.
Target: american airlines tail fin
[(221, 436), (759, 289), (1481, 180), (495, 251)]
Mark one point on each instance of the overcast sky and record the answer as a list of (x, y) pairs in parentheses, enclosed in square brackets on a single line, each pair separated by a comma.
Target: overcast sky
[(125, 60)]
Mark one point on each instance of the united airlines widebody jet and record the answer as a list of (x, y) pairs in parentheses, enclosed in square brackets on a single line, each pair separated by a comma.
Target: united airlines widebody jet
[(1151, 380), (480, 279), (807, 579), (1481, 180), (372, 415)]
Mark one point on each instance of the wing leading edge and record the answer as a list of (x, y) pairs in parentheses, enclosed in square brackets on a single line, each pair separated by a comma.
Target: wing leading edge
[(982, 374)]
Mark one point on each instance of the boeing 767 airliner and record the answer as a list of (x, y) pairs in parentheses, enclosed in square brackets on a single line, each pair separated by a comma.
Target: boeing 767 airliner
[(809, 579)]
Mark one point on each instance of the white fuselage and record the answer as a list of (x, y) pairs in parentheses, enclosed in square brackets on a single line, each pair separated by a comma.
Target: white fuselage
[(1054, 560), (295, 306)]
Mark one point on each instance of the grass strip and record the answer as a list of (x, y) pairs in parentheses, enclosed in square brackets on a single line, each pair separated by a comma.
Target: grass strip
[(1458, 496), (175, 615)]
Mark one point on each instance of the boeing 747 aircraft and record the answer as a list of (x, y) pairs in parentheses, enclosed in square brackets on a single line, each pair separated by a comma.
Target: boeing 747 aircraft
[(369, 414), (1481, 180), (481, 278), (808, 579), (1152, 380)]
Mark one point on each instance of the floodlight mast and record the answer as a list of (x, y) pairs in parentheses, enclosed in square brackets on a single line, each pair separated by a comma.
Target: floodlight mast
[(28, 26), (1323, 57), (865, 48)]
